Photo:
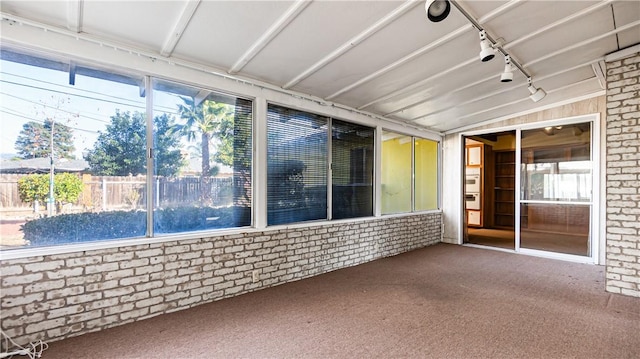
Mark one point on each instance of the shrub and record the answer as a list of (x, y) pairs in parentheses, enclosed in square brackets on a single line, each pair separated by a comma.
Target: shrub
[(35, 187), (86, 227)]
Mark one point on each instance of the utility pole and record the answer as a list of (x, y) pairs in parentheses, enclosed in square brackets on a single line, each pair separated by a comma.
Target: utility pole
[(51, 201)]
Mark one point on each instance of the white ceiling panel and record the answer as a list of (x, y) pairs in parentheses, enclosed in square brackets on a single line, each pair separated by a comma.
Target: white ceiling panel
[(319, 29), (131, 23), (383, 56), (628, 38), (450, 53), (478, 9), (564, 36), (405, 36), (221, 31), (48, 12), (625, 12), (573, 57), (524, 19)]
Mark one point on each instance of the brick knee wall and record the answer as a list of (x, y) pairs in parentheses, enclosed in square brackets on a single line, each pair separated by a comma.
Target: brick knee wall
[(58, 296), (623, 177)]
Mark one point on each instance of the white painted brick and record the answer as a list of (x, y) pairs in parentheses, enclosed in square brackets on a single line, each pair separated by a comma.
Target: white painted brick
[(31, 318), (118, 274), (21, 300), (64, 273), (44, 325), (43, 286), (100, 268), (134, 314), (103, 303), (148, 253), (134, 280), (10, 270), (83, 261), (84, 298), (118, 309), (61, 312), (21, 279), (117, 292), (42, 266)]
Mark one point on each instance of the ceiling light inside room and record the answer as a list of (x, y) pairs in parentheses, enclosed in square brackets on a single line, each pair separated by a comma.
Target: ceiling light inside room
[(437, 10), (537, 94), (487, 52), (507, 75)]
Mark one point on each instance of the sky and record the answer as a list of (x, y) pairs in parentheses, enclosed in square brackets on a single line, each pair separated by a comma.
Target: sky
[(29, 93)]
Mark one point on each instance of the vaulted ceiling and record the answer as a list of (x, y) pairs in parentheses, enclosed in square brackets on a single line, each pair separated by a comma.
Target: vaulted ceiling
[(381, 57)]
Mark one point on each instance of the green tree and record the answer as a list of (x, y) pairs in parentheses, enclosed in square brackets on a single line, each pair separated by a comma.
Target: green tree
[(35, 187), (121, 149), (34, 140)]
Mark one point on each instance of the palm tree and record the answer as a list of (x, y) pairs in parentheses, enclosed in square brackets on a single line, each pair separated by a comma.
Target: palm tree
[(204, 119)]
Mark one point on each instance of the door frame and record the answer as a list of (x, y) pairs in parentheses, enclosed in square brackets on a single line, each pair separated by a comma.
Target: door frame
[(596, 224)]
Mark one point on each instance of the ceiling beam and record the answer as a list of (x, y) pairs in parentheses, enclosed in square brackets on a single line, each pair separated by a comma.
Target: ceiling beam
[(599, 69), (74, 15), (179, 27), (452, 35), (353, 42), (276, 28)]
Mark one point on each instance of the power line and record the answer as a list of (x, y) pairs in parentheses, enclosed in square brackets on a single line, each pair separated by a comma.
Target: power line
[(55, 108), (77, 89), (42, 122), (71, 94)]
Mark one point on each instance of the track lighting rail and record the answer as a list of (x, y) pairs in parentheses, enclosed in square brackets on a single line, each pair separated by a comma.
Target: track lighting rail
[(438, 10)]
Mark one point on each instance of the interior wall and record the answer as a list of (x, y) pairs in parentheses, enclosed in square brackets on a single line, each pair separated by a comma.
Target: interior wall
[(623, 176), (452, 169), (57, 296)]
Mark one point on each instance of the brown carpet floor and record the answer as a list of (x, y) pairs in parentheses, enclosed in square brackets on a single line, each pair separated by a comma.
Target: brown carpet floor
[(443, 301)]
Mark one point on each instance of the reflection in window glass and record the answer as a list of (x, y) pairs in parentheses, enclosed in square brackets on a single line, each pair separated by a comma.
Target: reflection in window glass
[(352, 170), (296, 166), (91, 122), (556, 163), (426, 174), (558, 228), (202, 146), (396, 173)]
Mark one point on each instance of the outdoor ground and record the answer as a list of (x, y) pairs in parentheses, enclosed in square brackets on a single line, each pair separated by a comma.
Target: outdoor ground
[(10, 233)]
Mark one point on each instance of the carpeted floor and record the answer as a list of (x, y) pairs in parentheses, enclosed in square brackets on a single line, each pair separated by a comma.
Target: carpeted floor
[(443, 301)]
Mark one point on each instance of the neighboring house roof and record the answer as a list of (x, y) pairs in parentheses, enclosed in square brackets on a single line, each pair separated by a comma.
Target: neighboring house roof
[(42, 165)]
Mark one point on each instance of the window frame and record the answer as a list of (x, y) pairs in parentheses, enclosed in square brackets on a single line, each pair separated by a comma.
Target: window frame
[(131, 62)]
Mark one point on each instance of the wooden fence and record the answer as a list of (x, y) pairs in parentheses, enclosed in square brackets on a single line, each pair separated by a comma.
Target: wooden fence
[(104, 193)]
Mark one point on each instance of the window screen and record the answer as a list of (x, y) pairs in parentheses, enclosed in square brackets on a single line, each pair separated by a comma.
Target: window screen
[(296, 166), (352, 170)]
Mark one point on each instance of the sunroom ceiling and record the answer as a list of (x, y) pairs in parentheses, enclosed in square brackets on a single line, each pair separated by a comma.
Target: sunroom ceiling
[(381, 57)]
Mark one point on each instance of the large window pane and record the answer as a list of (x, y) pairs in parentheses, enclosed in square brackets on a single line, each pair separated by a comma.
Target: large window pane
[(352, 170), (296, 166), (202, 146), (555, 228), (396, 173), (90, 121), (556, 163), (426, 174)]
